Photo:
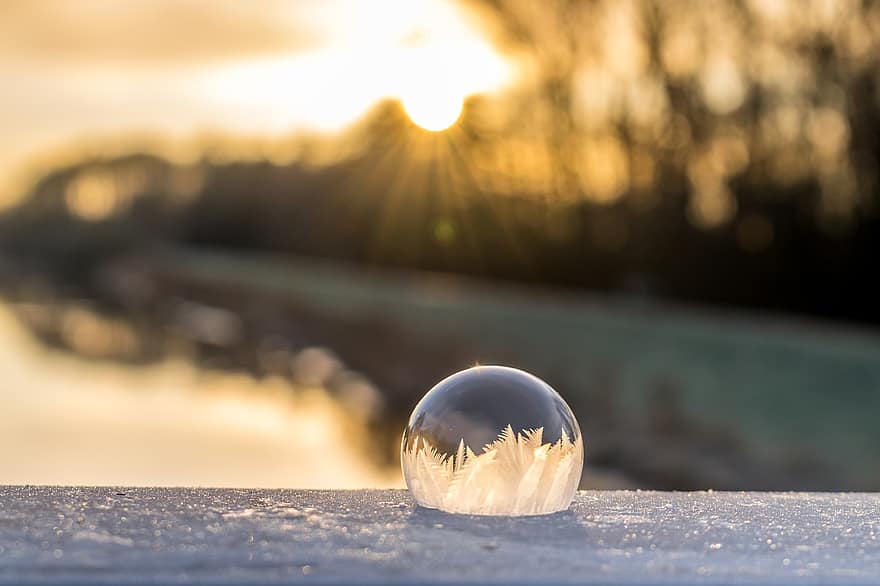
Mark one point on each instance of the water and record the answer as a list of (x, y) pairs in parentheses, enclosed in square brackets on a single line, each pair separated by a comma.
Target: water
[(68, 420)]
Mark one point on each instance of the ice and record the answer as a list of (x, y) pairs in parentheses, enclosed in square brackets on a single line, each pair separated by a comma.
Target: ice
[(492, 440), (57, 535)]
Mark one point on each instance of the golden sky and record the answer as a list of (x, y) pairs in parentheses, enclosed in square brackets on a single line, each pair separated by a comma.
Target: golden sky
[(74, 70)]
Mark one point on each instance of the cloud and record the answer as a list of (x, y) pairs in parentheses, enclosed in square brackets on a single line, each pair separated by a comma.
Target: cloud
[(152, 32)]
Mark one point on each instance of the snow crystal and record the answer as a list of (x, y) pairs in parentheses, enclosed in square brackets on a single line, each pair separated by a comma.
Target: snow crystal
[(52, 535)]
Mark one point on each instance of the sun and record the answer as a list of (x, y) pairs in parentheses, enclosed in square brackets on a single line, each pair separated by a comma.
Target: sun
[(434, 109), (436, 79)]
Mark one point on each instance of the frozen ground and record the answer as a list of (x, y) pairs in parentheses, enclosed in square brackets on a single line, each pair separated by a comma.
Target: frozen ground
[(153, 535)]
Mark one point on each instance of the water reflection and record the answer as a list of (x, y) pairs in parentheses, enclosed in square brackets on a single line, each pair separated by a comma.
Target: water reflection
[(64, 420)]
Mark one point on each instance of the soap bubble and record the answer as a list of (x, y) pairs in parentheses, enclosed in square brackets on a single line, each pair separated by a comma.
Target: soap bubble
[(492, 440)]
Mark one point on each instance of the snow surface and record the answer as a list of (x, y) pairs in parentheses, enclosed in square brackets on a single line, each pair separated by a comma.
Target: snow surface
[(63, 535)]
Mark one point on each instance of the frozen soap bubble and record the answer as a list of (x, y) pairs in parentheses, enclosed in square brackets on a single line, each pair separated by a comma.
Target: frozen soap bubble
[(492, 440)]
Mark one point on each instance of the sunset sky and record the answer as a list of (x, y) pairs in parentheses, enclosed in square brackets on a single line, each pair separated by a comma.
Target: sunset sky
[(99, 69)]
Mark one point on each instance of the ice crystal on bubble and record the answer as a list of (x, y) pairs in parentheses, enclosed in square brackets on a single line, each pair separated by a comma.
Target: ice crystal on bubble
[(515, 472)]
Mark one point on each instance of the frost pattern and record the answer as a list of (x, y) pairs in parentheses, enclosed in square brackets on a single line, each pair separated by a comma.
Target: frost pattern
[(517, 474)]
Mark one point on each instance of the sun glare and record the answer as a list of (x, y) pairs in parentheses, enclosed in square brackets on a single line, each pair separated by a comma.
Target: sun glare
[(438, 78), (434, 111)]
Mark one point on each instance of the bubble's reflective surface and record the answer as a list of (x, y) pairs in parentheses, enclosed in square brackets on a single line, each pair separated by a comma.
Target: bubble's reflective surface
[(492, 440)]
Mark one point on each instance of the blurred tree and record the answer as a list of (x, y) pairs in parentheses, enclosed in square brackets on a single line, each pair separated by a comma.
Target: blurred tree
[(722, 93)]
